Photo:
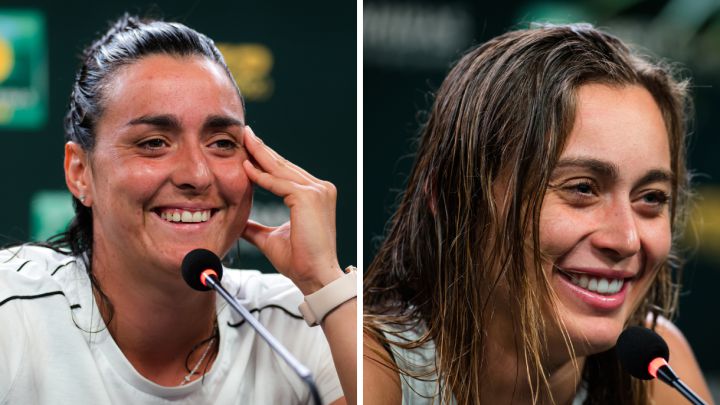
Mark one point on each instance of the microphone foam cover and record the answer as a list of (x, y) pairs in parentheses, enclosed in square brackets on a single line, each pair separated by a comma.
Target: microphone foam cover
[(637, 347), (195, 263)]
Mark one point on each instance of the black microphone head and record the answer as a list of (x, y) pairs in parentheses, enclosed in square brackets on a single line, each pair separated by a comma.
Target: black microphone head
[(637, 347), (195, 263)]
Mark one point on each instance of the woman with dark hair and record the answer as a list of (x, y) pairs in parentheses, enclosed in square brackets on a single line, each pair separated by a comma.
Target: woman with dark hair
[(538, 222), (160, 161)]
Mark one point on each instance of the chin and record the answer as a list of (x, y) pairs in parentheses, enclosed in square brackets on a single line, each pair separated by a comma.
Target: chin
[(592, 335)]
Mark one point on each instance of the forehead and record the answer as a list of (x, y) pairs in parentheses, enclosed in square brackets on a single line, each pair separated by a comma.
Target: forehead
[(189, 87), (619, 123)]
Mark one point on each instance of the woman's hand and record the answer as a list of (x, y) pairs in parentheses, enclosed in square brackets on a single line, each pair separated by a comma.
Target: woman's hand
[(303, 249)]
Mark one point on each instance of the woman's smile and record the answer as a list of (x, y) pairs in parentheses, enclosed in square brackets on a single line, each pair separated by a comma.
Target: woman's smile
[(600, 290)]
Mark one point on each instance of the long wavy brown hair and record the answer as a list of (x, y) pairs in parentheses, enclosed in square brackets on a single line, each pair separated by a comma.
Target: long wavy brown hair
[(505, 112)]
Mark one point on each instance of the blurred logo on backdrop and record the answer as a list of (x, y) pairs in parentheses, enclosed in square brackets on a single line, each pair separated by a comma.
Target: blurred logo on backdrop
[(415, 35), (23, 69), (250, 65)]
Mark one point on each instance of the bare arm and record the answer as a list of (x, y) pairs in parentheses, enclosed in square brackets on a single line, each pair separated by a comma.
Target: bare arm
[(340, 327), (381, 383), (683, 362)]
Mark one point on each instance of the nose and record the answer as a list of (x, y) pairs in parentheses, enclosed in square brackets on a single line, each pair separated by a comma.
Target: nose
[(618, 235), (192, 171)]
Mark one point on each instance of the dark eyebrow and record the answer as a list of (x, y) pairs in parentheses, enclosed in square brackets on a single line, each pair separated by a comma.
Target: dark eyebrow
[(164, 121), (168, 121), (222, 121), (605, 169), (657, 176), (610, 170)]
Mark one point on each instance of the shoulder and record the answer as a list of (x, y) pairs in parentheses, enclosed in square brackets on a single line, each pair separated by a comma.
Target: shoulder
[(27, 271), (381, 379), (30, 253), (256, 289), (273, 298), (682, 360), (27, 290)]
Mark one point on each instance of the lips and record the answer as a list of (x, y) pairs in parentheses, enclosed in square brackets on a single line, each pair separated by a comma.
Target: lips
[(600, 289), (600, 284)]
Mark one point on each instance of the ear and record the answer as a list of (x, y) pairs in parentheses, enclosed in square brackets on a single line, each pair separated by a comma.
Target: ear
[(77, 173)]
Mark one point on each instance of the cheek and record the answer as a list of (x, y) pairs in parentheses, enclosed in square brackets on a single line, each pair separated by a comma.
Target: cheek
[(234, 184), (657, 242), (560, 230), (129, 180)]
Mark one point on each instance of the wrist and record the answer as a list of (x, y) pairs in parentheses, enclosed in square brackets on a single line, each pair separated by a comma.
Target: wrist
[(316, 306), (319, 280)]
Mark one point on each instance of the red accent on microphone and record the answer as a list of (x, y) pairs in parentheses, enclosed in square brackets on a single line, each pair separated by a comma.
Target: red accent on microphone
[(205, 274), (655, 364)]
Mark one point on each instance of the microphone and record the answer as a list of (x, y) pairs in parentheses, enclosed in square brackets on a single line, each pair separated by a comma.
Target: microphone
[(202, 270), (644, 354)]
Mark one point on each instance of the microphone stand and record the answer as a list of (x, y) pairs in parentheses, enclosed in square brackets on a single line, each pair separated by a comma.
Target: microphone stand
[(276, 346), (668, 376)]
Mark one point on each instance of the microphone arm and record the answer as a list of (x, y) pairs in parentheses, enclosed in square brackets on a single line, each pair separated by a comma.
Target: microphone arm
[(668, 376), (302, 371)]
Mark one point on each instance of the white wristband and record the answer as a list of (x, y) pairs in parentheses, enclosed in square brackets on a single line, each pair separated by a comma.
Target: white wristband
[(318, 304)]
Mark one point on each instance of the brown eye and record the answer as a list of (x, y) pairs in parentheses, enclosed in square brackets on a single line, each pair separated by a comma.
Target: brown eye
[(583, 188), (225, 144), (656, 198), (155, 143)]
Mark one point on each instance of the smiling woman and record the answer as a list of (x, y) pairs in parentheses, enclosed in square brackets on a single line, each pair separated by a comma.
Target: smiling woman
[(537, 224), (161, 162)]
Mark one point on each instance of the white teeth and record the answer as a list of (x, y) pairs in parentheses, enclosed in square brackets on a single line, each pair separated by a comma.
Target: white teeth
[(603, 285), (584, 281), (596, 284), (185, 216)]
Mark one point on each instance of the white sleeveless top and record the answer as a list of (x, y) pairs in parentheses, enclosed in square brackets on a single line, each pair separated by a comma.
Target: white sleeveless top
[(421, 386)]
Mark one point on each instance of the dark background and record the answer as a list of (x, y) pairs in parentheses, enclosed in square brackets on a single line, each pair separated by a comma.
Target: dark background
[(309, 117), (409, 47)]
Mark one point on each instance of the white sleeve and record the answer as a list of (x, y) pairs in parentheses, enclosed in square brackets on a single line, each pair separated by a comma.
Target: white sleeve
[(13, 346), (321, 364)]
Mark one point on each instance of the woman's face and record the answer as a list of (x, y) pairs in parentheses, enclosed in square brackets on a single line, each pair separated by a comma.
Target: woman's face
[(605, 221), (166, 174)]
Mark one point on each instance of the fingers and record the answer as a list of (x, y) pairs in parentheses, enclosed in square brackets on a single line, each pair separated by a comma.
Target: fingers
[(257, 234), (271, 162), (317, 193), (276, 185)]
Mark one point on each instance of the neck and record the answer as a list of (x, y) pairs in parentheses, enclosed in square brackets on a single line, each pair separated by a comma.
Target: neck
[(508, 381), (156, 325)]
